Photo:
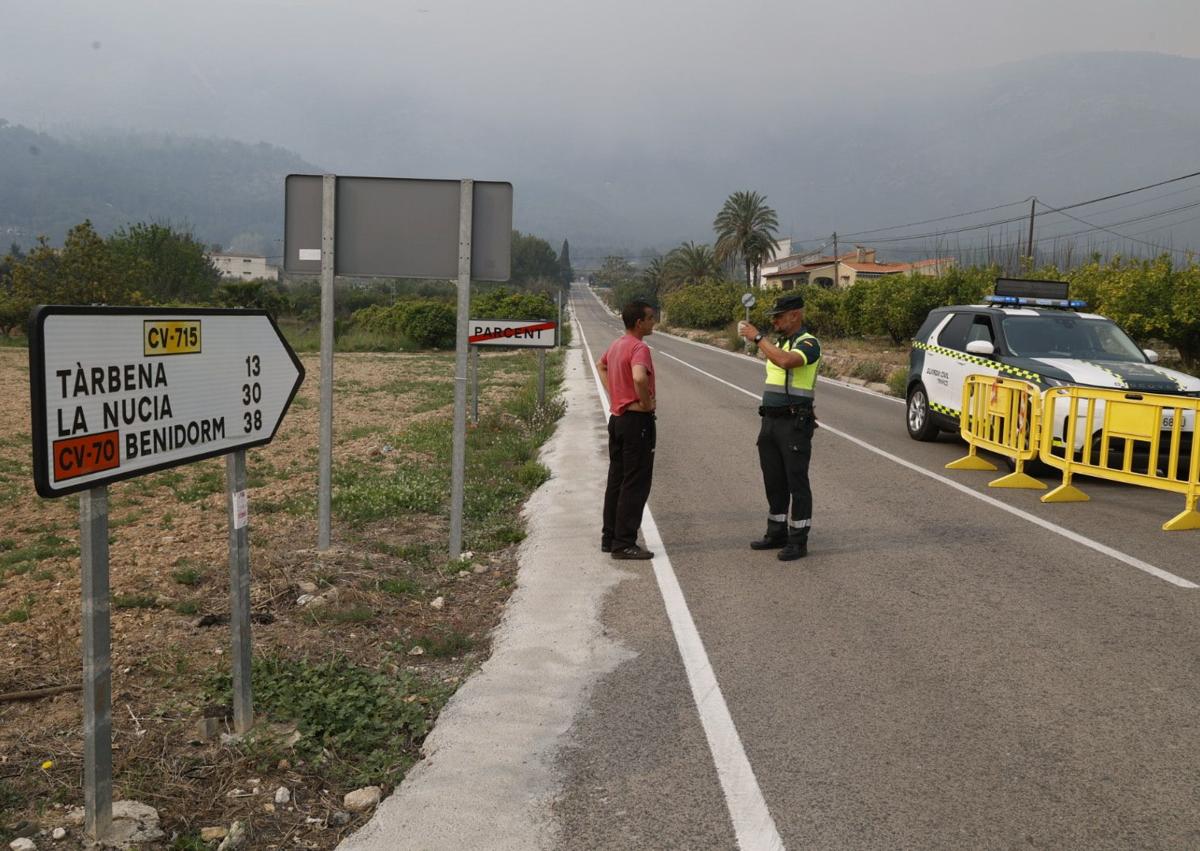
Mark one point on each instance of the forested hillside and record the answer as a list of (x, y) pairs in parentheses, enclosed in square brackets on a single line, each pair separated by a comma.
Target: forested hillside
[(226, 192)]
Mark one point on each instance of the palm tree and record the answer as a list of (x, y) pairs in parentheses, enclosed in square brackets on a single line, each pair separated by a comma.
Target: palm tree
[(655, 276), (690, 263), (746, 227)]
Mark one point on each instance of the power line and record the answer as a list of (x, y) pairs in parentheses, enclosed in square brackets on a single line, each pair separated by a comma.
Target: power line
[(941, 219), (1123, 236), (999, 222)]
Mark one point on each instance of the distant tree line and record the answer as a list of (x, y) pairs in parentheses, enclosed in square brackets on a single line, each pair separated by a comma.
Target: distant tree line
[(157, 264)]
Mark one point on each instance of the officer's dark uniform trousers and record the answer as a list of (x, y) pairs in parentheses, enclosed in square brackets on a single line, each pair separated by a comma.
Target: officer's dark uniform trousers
[(784, 450)]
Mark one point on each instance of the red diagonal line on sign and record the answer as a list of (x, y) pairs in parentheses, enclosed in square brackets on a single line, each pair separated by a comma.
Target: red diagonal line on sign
[(510, 332)]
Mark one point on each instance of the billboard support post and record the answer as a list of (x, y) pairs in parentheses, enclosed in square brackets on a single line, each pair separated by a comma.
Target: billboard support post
[(325, 461), (459, 450), (97, 663)]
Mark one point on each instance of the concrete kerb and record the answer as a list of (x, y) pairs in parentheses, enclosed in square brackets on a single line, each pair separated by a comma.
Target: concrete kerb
[(488, 779)]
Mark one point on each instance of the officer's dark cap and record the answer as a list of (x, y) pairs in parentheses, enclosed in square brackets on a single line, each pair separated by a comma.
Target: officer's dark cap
[(788, 302)]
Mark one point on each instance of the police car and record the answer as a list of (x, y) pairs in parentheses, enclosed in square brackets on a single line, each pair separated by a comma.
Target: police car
[(1028, 330)]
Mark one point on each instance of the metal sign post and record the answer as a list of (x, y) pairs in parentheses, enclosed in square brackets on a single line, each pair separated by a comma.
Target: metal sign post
[(459, 448), (748, 302), (541, 356), (239, 589), (97, 664), (475, 384), (325, 459)]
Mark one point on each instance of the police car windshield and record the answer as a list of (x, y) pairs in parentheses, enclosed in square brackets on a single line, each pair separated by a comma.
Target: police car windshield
[(1066, 336)]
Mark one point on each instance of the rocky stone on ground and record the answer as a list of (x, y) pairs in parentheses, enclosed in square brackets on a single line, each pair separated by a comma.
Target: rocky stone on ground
[(212, 834), (361, 800), (23, 844), (236, 837), (132, 822)]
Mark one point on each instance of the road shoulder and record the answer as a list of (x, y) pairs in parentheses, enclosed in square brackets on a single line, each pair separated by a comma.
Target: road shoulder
[(488, 778)]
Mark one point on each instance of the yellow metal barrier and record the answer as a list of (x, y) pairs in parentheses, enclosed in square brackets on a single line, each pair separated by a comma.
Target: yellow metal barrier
[(1001, 415), (1134, 438)]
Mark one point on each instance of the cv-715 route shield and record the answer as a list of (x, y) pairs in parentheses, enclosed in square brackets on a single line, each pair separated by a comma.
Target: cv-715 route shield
[(119, 392)]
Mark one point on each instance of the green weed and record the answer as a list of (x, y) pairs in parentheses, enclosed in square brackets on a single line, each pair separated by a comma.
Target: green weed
[(132, 601), (400, 587), (366, 723), (188, 576)]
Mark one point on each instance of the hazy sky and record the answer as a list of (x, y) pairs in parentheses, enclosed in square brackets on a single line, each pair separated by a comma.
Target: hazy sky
[(595, 68), (539, 91)]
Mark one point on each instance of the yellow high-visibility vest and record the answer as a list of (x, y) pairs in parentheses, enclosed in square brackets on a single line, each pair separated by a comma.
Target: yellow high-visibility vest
[(798, 381)]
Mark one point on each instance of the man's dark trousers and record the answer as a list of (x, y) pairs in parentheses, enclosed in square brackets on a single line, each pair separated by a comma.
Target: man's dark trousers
[(631, 438), (784, 450)]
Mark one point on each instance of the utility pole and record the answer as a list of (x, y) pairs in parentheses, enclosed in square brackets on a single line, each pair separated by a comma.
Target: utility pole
[(1029, 244), (836, 280)]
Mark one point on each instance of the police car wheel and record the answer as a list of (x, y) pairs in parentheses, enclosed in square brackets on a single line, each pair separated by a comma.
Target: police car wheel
[(918, 415)]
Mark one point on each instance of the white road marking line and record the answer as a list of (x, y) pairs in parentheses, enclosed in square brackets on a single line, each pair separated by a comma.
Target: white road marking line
[(752, 822), (992, 501)]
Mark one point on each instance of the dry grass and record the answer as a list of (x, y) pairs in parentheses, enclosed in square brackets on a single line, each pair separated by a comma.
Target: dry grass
[(169, 579)]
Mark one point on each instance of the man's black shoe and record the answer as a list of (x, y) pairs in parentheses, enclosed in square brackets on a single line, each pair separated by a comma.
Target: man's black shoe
[(768, 542), (791, 552), (605, 547), (635, 553)]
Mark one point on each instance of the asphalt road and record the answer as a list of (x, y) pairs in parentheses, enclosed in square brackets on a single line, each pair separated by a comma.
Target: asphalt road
[(942, 670)]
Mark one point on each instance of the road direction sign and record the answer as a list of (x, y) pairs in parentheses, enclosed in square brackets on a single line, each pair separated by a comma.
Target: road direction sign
[(119, 392), (517, 333)]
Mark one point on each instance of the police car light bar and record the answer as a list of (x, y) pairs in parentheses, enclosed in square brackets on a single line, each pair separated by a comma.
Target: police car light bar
[(1069, 303), (1032, 288)]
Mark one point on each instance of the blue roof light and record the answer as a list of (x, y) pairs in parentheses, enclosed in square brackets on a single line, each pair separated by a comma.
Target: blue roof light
[(1074, 304)]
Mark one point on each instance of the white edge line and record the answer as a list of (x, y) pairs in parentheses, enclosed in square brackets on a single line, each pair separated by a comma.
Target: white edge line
[(752, 822), (992, 501), (835, 382)]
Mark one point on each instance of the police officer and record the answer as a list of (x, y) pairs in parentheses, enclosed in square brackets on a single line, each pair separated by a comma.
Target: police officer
[(785, 439)]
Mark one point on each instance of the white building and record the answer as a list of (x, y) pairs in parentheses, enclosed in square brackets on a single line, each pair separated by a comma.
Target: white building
[(244, 267)]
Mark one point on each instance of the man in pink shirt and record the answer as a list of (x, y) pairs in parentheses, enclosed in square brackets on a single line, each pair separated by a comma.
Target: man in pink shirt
[(628, 375)]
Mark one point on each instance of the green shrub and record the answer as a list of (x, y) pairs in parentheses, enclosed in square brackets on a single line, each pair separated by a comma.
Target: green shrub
[(634, 289), (708, 304), (430, 325), (823, 311), (502, 304), (869, 370), (898, 382)]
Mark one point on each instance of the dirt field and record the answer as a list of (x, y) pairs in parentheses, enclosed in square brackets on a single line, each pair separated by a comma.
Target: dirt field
[(388, 626)]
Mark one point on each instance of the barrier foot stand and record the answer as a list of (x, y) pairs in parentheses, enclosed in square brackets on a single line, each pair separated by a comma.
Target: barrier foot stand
[(1189, 518), (970, 462), (1066, 493), (1019, 480)]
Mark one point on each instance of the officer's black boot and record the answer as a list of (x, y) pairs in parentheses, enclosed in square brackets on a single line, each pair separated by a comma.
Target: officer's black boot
[(797, 545), (775, 538)]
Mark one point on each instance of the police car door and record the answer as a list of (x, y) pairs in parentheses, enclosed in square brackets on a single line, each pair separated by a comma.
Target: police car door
[(959, 331)]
